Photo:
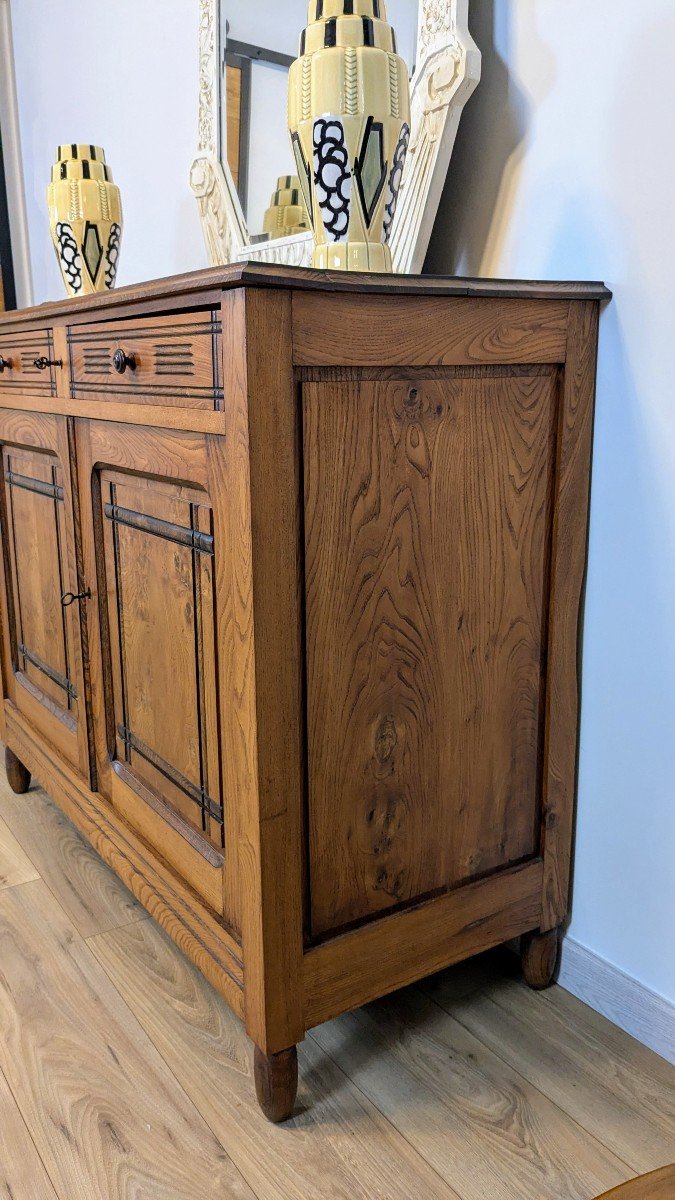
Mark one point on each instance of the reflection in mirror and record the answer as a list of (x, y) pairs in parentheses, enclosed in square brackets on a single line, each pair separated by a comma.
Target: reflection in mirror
[(260, 41)]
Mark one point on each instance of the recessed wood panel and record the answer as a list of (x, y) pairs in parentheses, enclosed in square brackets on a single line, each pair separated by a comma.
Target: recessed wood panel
[(158, 540), (34, 499), (428, 521)]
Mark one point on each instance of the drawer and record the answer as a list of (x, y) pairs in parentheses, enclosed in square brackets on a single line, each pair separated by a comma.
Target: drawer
[(19, 355), (174, 359)]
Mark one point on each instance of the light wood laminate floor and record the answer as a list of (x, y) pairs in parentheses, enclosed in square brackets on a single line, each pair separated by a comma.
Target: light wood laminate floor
[(124, 1075)]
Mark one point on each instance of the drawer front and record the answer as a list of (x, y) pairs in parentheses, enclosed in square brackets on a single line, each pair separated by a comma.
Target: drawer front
[(27, 362), (170, 360)]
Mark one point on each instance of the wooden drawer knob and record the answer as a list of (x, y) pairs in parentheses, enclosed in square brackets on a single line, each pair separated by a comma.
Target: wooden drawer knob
[(121, 360), (5, 364)]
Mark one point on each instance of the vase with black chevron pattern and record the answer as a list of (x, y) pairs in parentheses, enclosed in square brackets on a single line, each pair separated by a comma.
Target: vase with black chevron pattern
[(349, 119), (85, 217)]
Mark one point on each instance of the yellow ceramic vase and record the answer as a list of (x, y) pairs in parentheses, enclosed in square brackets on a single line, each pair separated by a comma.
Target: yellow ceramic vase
[(287, 213), (349, 118), (85, 218)]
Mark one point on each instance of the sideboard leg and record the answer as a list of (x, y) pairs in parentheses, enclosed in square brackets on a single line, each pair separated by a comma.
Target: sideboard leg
[(276, 1082), (539, 953), (18, 777)]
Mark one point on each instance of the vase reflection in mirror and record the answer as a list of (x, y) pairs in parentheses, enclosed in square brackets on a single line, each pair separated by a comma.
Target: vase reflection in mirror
[(349, 118), (287, 212), (85, 218)]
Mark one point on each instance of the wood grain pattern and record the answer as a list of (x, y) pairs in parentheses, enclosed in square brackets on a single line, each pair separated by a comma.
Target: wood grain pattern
[(427, 331), (93, 898), (39, 565), (174, 361), (622, 1093), (18, 777), (337, 1143), (264, 735), (567, 576), (153, 633), (539, 955), (427, 522), (276, 1083), (201, 287), (474, 1119), (15, 866), (189, 419), (98, 1100), (370, 676), (155, 885), (659, 1185), (397, 949), (22, 1172), (20, 350)]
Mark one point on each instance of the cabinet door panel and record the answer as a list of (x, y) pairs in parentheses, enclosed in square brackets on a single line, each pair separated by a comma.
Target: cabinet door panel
[(428, 525), (159, 548), (153, 540), (43, 636)]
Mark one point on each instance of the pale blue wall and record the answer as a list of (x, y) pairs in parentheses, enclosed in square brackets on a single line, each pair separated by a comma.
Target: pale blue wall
[(564, 169), (123, 75)]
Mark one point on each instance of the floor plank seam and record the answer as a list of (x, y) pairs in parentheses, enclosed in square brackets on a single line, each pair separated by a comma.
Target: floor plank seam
[(29, 1135), (529, 1082), (394, 1128), (92, 938)]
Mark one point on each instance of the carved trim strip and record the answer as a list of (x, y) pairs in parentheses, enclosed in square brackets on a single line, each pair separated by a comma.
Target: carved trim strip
[(53, 490), (202, 543), (197, 794), (55, 676), (123, 332)]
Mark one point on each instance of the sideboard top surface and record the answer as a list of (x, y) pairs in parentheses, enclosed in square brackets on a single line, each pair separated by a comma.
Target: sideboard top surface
[(266, 275)]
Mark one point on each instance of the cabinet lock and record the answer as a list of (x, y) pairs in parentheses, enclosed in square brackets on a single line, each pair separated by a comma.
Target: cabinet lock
[(70, 597)]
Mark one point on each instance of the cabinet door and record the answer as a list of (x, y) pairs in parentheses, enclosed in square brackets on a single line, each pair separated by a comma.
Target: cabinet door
[(153, 538), (42, 631)]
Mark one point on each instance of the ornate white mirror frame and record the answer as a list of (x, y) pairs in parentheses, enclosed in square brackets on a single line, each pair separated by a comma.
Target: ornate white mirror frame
[(446, 72)]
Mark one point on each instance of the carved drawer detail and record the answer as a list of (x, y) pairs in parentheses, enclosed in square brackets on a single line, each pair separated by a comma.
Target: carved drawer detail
[(172, 360), (27, 362)]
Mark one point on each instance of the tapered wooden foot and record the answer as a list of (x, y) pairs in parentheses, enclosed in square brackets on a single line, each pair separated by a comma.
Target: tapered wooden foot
[(539, 954), (18, 777), (276, 1082)]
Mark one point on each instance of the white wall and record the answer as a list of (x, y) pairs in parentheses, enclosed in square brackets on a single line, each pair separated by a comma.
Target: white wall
[(564, 168), (124, 76)]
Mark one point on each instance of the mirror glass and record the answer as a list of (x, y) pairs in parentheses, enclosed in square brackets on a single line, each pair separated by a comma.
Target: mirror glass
[(259, 42)]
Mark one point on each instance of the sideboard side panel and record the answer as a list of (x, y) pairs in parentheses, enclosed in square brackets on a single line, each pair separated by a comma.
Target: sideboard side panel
[(570, 532), (427, 517)]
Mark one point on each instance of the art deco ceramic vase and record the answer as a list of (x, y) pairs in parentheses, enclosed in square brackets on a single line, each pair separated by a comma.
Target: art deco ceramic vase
[(85, 216), (287, 213), (349, 117)]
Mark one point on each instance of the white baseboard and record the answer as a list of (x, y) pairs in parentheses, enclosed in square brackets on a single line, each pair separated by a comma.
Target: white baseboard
[(629, 1004)]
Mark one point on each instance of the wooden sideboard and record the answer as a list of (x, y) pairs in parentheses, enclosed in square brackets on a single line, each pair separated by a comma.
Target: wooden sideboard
[(291, 581)]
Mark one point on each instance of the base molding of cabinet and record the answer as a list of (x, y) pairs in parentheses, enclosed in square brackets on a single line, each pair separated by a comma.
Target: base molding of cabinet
[(18, 776), (208, 944), (276, 1082), (393, 951)]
